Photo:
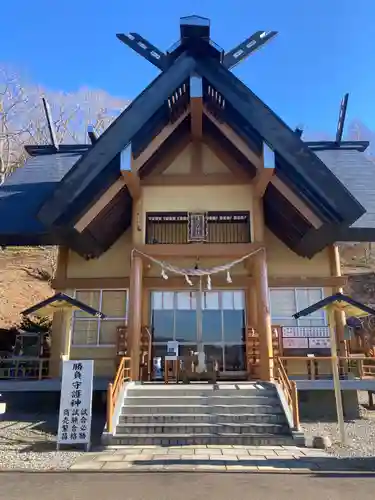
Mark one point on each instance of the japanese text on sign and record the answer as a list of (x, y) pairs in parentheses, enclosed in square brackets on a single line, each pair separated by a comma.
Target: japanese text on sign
[(76, 402)]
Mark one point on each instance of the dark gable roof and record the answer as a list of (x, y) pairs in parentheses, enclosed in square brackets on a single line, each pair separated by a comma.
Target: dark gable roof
[(356, 171), (115, 139), (24, 192), (63, 300), (297, 163), (337, 297)]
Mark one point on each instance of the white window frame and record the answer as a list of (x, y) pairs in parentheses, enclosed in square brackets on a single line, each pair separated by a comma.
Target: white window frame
[(99, 320), (280, 320)]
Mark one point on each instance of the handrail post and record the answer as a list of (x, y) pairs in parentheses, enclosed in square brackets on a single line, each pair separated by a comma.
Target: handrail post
[(109, 406), (294, 395), (360, 368)]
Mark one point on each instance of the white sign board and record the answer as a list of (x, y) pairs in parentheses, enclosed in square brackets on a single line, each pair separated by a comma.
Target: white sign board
[(76, 403), (295, 343), (319, 343), (172, 350), (305, 331)]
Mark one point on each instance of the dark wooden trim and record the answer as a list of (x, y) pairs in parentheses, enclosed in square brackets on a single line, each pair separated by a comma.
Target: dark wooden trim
[(296, 201), (346, 145), (99, 205), (357, 234)]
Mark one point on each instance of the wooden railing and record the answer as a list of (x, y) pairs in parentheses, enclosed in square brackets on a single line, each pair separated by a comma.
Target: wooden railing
[(24, 368), (123, 375), (290, 390), (320, 367)]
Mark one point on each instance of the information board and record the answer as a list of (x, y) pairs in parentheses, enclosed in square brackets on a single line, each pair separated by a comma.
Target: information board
[(172, 350), (295, 343), (76, 403)]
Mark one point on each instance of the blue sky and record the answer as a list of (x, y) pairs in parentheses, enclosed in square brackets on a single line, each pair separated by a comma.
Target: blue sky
[(324, 49)]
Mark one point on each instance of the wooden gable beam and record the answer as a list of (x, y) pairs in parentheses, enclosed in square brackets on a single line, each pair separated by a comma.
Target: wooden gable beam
[(102, 202), (196, 158), (239, 143), (167, 158), (130, 176), (157, 142), (233, 166), (196, 106), (266, 172), (296, 201)]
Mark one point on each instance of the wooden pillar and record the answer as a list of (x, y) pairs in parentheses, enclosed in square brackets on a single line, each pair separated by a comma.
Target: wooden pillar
[(260, 274), (252, 312), (135, 313), (264, 316), (340, 320), (56, 344), (67, 333)]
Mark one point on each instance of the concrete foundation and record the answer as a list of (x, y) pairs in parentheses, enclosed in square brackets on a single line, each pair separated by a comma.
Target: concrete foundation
[(321, 405)]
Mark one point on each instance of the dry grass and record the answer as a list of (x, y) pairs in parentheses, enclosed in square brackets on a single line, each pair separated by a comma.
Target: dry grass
[(20, 286)]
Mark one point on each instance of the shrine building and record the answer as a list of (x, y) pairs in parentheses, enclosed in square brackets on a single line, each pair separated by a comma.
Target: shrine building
[(198, 216)]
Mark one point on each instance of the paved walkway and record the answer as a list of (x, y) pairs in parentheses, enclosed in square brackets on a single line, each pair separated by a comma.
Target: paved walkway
[(185, 486), (217, 459)]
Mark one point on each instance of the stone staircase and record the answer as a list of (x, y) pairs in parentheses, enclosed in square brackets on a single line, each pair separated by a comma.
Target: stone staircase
[(201, 414)]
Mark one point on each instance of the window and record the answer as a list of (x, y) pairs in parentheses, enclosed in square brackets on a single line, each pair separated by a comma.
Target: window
[(287, 301), (89, 331)]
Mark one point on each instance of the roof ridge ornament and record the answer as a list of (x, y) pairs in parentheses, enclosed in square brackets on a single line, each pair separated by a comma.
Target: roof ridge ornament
[(195, 37), (243, 50), (341, 120), (51, 125)]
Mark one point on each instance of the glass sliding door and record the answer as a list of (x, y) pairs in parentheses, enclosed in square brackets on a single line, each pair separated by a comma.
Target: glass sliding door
[(213, 321), (223, 328), (234, 327), (212, 327), (173, 317)]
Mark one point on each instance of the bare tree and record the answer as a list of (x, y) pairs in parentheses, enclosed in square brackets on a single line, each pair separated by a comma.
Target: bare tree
[(22, 119)]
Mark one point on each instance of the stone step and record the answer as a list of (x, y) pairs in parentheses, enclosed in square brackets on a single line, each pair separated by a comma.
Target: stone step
[(202, 439), (201, 428), (130, 409), (245, 418), (197, 392), (197, 400)]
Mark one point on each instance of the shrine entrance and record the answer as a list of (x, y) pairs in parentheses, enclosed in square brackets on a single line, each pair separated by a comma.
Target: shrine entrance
[(212, 322)]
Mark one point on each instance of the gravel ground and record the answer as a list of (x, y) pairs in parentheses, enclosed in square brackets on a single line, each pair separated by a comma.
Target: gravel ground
[(360, 433), (29, 442)]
